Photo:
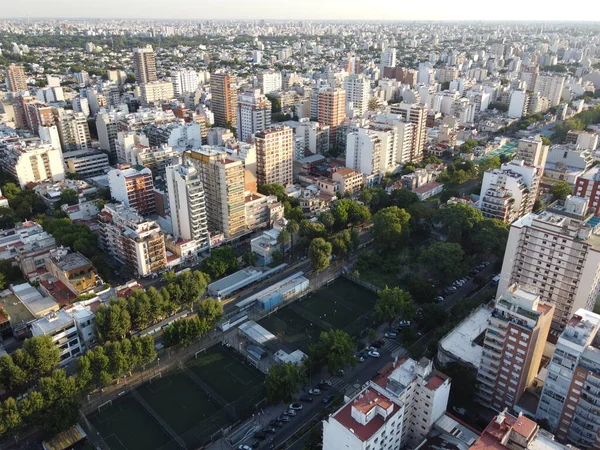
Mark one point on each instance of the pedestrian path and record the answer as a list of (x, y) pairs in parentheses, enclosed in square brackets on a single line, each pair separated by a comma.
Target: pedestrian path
[(391, 345)]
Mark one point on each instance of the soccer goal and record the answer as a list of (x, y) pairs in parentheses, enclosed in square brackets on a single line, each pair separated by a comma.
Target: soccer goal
[(158, 375), (104, 405), (199, 351)]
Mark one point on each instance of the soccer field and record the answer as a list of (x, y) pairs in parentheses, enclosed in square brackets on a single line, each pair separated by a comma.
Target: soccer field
[(232, 377), (126, 425)]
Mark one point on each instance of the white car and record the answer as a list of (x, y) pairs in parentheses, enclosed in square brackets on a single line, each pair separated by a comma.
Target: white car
[(390, 334), (314, 391), (374, 354)]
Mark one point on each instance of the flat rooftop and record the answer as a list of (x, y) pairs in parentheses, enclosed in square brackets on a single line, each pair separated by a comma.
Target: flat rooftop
[(71, 261), (37, 304), (51, 322), (19, 314), (460, 342)]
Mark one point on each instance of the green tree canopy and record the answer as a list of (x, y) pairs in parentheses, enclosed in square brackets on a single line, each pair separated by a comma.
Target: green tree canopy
[(113, 321), (283, 381), (334, 348), (390, 227), (443, 260), (222, 261), (458, 220), (489, 237), (320, 253), (561, 190), (394, 303)]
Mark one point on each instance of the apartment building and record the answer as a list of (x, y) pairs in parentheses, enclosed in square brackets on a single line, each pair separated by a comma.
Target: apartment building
[(188, 205), (509, 193), (519, 104), (587, 185), (132, 240), (144, 64), (331, 110), (86, 163), (16, 81), (270, 82), (223, 179), (184, 81), (223, 90), (566, 162), (311, 136), (571, 396), (550, 86), (349, 180), (62, 329), (401, 74), (395, 409), (417, 115), (405, 131), (358, 93), (532, 152), (513, 347), (74, 270), (275, 156), (73, 130), (253, 113), (30, 161), (156, 92), (134, 187), (363, 153), (556, 252)]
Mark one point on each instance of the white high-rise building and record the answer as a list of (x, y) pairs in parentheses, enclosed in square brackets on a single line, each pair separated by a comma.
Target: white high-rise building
[(394, 411), (29, 162), (253, 113), (357, 93), (532, 152), (388, 58), (185, 80), (270, 82), (188, 205), (81, 104), (550, 86), (405, 132), (556, 252), (509, 193), (363, 153)]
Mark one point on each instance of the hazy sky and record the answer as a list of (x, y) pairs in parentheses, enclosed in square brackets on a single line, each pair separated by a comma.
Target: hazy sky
[(588, 10)]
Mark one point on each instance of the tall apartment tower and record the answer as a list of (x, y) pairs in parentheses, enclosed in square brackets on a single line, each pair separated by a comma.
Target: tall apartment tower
[(73, 130), (556, 252), (357, 93), (132, 240), (388, 58), (270, 82), (133, 187), (405, 135), (223, 180), (331, 109), (253, 113), (15, 78), (550, 86), (509, 193), (224, 98), (417, 115), (571, 394), (188, 205), (275, 156), (532, 152), (185, 81), (529, 75), (513, 347), (363, 153), (144, 64)]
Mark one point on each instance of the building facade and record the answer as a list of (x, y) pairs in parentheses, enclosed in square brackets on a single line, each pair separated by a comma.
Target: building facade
[(253, 113), (144, 64), (134, 187), (275, 156), (223, 102)]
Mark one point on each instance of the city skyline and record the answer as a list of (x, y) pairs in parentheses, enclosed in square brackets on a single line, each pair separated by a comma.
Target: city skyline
[(380, 10)]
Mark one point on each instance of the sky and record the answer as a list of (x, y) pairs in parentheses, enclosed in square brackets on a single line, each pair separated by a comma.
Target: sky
[(528, 10)]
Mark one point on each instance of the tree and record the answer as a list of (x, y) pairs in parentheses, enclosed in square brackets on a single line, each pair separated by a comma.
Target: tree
[(222, 261), (68, 197), (283, 381), (41, 356), (249, 258), (373, 104), (432, 316), (7, 218), (327, 219), (392, 304), (458, 220), (421, 289), (334, 348), (403, 198), (210, 310), (443, 260), (390, 227), (284, 238), (277, 257), (342, 243), (489, 237), (113, 321), (320, 253), (349, 213), (61, 401), (546, 141), (561, 190), (12, 377)]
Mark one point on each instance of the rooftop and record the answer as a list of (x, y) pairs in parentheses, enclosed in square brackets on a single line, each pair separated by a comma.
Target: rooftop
[(50, 322), (32, 299)]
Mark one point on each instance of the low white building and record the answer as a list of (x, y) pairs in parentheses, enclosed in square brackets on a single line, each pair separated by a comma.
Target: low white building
[(63, 330), (567, 162)]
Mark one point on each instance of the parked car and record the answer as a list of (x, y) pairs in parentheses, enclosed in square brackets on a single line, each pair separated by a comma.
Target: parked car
[(327, 382), (374, 354), (292, 412), (276, 423), (370, 348), (377, 344), (260, 435), (323, 386), (284, 418), (256, 444), (340, 373), (404, 323), (296, 406), (305, 398), (439, 298), (314, 391), (359, 358), (327, 399), (391, 334), (270, 430), (244, 447)]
